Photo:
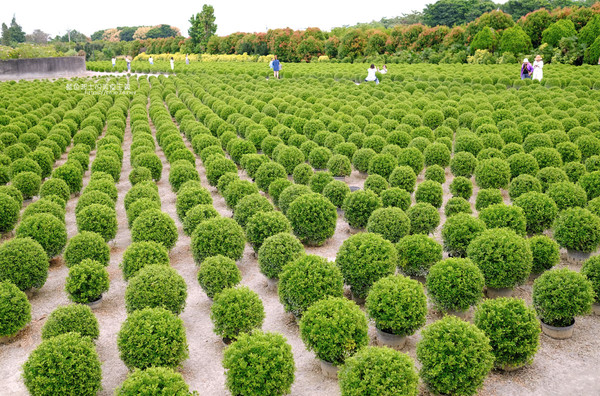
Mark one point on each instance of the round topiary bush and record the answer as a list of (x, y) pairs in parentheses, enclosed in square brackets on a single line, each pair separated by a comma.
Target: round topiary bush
[(64, 364), (56, 187), (567, 195), (417, 253), (28, 183), (455, 284), (339, 165), (365, 258), (430, 192), (218, 273), (9, 213), (139, 174), (545, 252), (391, 223), (44, 205), (259, 364), (456, 356), (513, 330), (437, 154), (197, 215), (140, 254), (424, 218), (110, 165), (435, 173), (403, 177), (376, 183), (306, 281), (249, 206), (397, 305), (591, 184), (319, 180), (87, 281), (361, 159), (318, 157), (105, 186), (45, 229), (23, 262), (487, 197), (561, 294), (577, 229), (138, 207), (219, 167), (302, 174), (189, 197), (335, 329), (522, 164), (395, 197), (235, 311), (150, 161), (501, 215), (540, 211), (180, 173), (156, 286), (99, 219), (152, 337), (153, 380), (86, 245), (336, 192), (503, 256), (237, 190), (76, 318), (591, 270), (289, 157), (492, 173), (15, 309), (463, 164), (218, 236), (14, 193), (313, 218), (265, 224), (267, 173), (457, 205), (358, 207), (372, 369), (156, 226), (523, 184), (277, 251)]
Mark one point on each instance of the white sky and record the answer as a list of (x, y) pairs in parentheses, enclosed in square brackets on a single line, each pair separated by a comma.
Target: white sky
[(55, 17)]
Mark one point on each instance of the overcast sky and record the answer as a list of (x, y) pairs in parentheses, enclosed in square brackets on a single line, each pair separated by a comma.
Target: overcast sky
[(55, 17)]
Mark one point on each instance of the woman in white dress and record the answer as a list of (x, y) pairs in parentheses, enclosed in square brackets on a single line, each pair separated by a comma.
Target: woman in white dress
[(371, 74), (538, 65)]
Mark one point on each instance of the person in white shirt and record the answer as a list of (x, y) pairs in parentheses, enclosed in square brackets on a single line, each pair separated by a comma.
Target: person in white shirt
[(371, 74), (151, 60), (114, 61), (538, 65), (383, 70), (172, 63)]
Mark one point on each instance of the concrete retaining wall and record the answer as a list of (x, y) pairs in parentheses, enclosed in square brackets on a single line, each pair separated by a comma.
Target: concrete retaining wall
[(21, 68)]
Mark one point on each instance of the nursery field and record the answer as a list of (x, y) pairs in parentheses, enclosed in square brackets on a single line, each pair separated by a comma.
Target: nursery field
[(214, 231)]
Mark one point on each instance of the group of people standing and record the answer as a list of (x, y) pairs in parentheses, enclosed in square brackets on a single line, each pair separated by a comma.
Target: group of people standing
[(150, 60), (534, 71)]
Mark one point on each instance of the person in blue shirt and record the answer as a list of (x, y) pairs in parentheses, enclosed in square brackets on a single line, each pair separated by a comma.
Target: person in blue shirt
[(276, 66)]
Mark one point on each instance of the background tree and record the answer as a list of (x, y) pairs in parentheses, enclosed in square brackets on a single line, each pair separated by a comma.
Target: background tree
[(203, 27), (5, 40), (455, 12), (37, 37), (127, 32), (97, 35), (519, 8), (161, 31), (17, 35)]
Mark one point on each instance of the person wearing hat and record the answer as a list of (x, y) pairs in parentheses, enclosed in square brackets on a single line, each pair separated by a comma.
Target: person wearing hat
[(526, 69), (538, 65)]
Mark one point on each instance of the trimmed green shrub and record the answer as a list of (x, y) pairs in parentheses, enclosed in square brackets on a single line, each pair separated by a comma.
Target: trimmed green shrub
[(336, 192), (591, 184), (289, 157), (358, 207), (306, 281), (390, 223), (463, 164), (106, 186), (373, 369), (259, 364), (23, 262), (540, 211), (47, 230), (221, 166), (522, 164), (226, 180), (546, 156), (492, 173), (24, 165), (513, 330), (156, 226), (577, 229), (335, 329), (417, 253), (591, 270), (456, 356), (501, 215), (139, 174), (238, 190), (523, 184), (139, 207), (424, 218), (76, 318), (218, 273), (545, 252), (156, 286), (382, 164), (9, 212), (14, 193), (561, 294), (395, 197), (267, 173), (28, 183), (550, 175), (251, 162), (455, 284), (250, 205), (218, 236), (437, 154), (236, 311), (181, 173), (362, 158), (62, 365), (104, 163), (313, 218), (567, 195), (435, 173), (457, 205), (152, 337), (339, 165), (302, 174), (461, 187), (87, 281), (197, 215), (189, 197), (265, 224), (503, 256), (44, 206), (15, 309), (376, 183), (99, 219), (365, 258), (277, 251), (487, 197), (153, 380), (71, 174), (430, 192), (56, 187), (86, 245), (397, 305), (141, 254), (458, 231)]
